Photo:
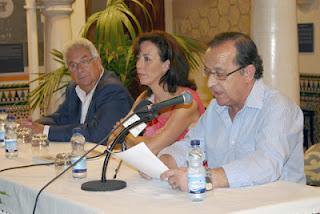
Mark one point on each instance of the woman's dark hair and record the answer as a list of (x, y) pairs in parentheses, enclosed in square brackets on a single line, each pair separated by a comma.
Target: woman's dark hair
[(247, 52), (168, 49)]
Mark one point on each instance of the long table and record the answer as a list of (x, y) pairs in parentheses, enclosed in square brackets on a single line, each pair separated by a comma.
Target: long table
[(140, 195)]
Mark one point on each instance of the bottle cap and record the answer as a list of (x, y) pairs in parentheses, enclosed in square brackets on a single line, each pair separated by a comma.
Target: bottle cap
[(195, 142), (11, 117), (76, 130)]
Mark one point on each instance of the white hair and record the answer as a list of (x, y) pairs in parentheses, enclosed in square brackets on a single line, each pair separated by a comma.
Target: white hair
[(79, 43)]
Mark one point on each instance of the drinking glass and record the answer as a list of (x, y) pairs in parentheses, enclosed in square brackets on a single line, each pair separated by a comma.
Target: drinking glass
[(62, 162), (23, 135), (40, 145)]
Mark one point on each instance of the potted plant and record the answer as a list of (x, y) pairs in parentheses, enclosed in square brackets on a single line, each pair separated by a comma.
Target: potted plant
[(115, 29)]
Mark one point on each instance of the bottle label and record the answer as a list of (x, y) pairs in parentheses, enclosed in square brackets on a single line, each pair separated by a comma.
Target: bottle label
[(11, 145), (81, 166), (196, 184), (202, 147), (205, 160), (205, 163), (2, 136)]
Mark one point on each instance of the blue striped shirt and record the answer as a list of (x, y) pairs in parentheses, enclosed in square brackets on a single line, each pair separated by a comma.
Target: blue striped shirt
[(262, 144)]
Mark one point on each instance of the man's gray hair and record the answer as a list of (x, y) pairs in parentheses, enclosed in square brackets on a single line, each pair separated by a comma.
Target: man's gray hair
[(79, 43)]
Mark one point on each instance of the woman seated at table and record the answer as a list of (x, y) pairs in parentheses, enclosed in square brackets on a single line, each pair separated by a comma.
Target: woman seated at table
[(163, 68)]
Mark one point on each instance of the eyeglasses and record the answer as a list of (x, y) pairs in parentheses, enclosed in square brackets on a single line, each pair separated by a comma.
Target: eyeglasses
[(220, 75), (73, 66)]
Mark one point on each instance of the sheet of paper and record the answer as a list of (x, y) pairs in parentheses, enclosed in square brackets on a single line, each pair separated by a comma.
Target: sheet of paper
[(143, 159)]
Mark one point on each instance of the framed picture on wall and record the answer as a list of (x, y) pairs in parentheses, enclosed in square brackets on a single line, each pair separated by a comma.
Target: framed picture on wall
[(306, 37), (13, 41), (11, 58)]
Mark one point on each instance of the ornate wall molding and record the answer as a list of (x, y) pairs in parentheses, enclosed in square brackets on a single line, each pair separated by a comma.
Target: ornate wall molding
[(14, 98), (57, 7), (310, 100), (6, 8)]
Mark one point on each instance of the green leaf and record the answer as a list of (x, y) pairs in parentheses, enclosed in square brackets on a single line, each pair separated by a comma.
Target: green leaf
[(49, 83), (115, 29), (3, 193)]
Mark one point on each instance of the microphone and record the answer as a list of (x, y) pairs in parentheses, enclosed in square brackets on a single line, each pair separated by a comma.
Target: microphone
[(104, 184), (140, 107), (185, 98), (139, 114), (147, 113), (132, 121), (142, 110)]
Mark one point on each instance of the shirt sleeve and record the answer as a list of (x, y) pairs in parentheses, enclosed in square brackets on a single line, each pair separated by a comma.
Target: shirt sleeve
[(46, 130), (277, 140), (179, 150), (61, 116)]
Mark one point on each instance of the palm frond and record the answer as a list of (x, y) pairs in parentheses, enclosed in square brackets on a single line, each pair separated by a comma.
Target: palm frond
[(3, 193), (193, 50), (145, 12), (49, 83), (91, 20), (115, 29)]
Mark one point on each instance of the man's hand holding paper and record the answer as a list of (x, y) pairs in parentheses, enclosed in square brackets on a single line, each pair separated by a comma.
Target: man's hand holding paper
[(143, 159)]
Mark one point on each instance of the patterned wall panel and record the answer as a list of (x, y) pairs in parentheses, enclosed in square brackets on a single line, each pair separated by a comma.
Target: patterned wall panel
[(202, 19), (310, 100), (14, 98)]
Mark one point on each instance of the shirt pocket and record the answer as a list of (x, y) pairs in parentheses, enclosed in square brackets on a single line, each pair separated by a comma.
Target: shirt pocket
[(245, 147)]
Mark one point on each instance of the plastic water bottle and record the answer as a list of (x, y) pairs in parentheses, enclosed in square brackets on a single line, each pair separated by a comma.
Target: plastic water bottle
[(202, 147), (196, 172), (3, 120), (77, 142), (11, 137)]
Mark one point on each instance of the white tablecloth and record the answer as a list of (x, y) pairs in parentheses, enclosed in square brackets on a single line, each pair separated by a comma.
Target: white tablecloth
[(140, 196)]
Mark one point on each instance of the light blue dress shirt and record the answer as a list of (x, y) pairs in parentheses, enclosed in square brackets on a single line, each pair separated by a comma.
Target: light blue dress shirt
[(262, 144)]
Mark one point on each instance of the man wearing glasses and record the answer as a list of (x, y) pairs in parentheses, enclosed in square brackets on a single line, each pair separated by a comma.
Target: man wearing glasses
[(95, 99), (252, 133)]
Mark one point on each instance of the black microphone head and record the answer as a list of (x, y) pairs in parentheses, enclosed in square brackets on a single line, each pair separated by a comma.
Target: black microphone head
[(187, 98)]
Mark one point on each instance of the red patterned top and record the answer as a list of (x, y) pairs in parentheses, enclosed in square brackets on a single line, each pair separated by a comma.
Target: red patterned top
[(156, 124)]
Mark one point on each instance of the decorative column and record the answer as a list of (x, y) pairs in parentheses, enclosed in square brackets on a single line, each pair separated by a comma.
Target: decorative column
[(78, 17), (33, 54), (274, 29), (57, 30)]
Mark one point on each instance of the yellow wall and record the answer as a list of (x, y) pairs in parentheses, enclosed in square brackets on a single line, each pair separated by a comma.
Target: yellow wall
[(309, 63), (202, 19)]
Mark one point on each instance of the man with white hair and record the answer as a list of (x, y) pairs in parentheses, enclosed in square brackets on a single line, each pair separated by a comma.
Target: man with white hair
[(95, 99)]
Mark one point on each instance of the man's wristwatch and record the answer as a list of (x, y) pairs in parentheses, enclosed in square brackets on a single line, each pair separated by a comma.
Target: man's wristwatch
[(209, 185)]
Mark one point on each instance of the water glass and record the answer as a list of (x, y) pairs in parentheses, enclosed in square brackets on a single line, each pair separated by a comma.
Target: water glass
[(62, 161), (40, 145), (3, 114), (23, 135)]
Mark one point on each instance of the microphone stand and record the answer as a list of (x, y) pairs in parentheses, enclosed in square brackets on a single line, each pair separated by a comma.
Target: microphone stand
[(143, 112), (105, 184)]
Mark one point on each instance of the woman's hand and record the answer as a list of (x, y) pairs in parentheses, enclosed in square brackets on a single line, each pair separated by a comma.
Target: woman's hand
[(130, 139), (115, 132)]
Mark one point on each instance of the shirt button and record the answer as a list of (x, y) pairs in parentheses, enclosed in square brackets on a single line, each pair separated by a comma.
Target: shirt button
[(233, 142)]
